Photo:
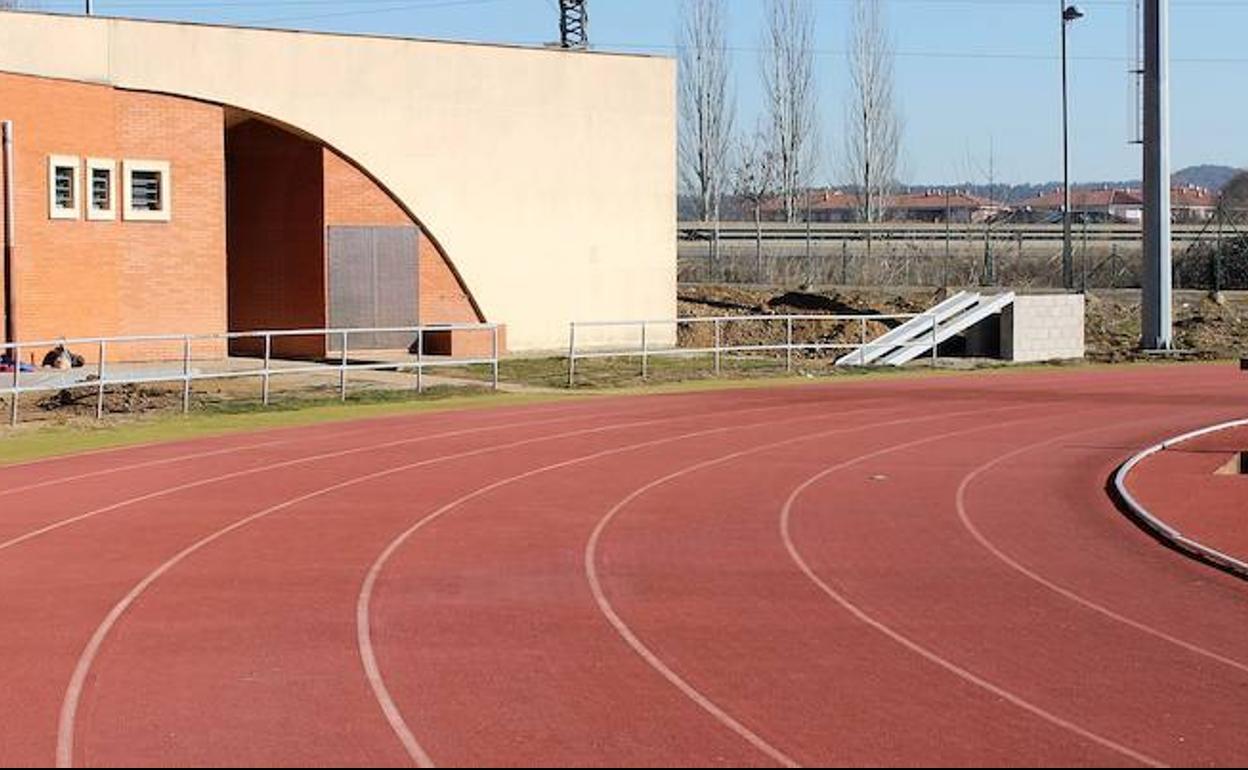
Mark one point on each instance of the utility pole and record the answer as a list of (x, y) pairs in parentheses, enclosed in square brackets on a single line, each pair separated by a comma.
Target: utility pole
[(573, 24), (1070, 14), (1156, 311)]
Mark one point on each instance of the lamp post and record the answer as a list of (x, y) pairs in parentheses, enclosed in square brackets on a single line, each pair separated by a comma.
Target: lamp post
[(1069, 15)]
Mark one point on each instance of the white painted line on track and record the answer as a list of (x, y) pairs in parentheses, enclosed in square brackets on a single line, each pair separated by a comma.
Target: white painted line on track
[(786, 514), (965, 518), (639, 647), (166, 491), (66, 727), (137, 466), (368, 656)]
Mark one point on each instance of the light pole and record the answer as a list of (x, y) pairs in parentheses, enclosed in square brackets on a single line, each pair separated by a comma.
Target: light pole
[(1069, 14)]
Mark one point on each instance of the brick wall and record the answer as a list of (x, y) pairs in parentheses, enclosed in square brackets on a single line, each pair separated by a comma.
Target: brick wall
[(352, 199), (79, 278), (276, 236)]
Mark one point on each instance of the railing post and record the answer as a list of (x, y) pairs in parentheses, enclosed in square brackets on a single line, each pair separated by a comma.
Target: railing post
[(17, 382), (935, 340), (788, 345), (572, 355), (494, 343), (420, 360), (645, 353), (862, 347), (99, 378), (186, 374), (717, 338), (342, 369), (268, 360)]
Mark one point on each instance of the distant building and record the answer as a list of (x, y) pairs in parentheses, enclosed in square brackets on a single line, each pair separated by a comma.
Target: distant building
[(930, 206), (1188, 205)]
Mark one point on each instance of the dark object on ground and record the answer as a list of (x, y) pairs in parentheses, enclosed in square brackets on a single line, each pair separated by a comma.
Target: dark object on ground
[(1243, 364), (61, 357)]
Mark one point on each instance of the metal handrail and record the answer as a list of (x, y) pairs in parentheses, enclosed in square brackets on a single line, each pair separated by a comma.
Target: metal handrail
[(788, 346), (343, 364)]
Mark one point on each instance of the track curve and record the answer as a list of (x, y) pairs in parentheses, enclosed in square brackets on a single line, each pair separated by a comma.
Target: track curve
[(925, 570)]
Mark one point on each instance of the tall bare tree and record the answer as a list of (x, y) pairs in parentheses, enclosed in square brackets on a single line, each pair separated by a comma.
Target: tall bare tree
[(707, 111), (755, 179), (872, 124), (789, 85)]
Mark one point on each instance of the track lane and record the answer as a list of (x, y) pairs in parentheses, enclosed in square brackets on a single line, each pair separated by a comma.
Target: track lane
[(87, 658), (56, 580), (1185, 709), (529, 529)]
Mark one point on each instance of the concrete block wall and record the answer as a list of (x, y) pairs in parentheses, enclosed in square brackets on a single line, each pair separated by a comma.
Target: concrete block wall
[(1045, 327)]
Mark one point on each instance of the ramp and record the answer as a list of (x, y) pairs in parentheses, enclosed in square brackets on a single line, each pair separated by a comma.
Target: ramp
[(911, 332), (987, 306)]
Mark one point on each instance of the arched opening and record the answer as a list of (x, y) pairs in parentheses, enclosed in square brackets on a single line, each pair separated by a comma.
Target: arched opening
[(314, 242)]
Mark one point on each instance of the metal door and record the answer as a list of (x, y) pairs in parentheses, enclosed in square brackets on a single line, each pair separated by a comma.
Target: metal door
[(373, 282)]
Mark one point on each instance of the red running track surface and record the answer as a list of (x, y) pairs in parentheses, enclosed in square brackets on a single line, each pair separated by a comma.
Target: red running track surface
[(926, 571)]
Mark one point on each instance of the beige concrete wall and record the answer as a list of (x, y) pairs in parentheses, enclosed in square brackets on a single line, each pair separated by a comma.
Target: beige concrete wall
[(1046, 327), (547, 176)]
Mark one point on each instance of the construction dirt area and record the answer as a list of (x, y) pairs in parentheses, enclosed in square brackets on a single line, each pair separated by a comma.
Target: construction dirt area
[(1206, 326)]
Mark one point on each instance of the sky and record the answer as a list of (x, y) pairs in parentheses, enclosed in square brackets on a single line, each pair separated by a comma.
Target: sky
[(975, 79)]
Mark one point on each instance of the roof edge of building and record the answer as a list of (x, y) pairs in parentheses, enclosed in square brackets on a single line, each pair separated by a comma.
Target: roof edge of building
[(550, 48)]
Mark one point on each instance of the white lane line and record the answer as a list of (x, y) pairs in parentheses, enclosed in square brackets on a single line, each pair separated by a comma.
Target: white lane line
[(137, 466), (786, 515), (66, 727), (363, 615), (166, 491), (639, 647), (988, 545)]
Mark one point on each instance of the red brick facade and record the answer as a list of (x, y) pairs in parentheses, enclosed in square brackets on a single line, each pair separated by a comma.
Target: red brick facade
[(80, 278), (253, 191)]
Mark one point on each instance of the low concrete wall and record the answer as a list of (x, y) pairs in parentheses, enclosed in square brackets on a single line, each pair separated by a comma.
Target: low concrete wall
[(1043, 328)]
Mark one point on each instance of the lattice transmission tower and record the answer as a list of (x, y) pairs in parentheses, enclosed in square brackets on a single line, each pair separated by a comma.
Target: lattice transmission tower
[(573, 23)]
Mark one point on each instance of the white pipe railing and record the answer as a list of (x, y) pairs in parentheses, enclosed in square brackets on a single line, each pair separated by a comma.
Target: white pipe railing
[(12, 353), (717, 350)]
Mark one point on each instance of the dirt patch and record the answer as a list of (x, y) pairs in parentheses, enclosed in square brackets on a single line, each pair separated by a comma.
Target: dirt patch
[(1206, 326)]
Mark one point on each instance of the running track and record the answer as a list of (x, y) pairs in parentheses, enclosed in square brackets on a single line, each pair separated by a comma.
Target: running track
[(916, 571)]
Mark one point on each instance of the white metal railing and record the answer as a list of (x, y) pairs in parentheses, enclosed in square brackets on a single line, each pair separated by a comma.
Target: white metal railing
[(103, 373), (788, 345)]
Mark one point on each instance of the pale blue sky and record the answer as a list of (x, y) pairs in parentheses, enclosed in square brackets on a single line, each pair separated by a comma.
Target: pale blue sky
[(970, 73)]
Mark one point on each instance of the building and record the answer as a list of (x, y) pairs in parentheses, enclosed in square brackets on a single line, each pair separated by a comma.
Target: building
[(1189, 205), (929, 206), (180, 178)]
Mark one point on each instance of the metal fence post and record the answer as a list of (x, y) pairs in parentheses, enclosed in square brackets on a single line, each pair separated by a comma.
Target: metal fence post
[(572, 355), (495, 356), (186, 375), (99, 377), (788, 346), (645, 353), (717, 338), (342, 369), (862, 347), (268, 359), (420, 360), (17, 382)]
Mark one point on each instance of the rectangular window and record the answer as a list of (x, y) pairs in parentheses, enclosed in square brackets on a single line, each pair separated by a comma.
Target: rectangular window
[(147, 190), (63, 187), (103, 189)]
